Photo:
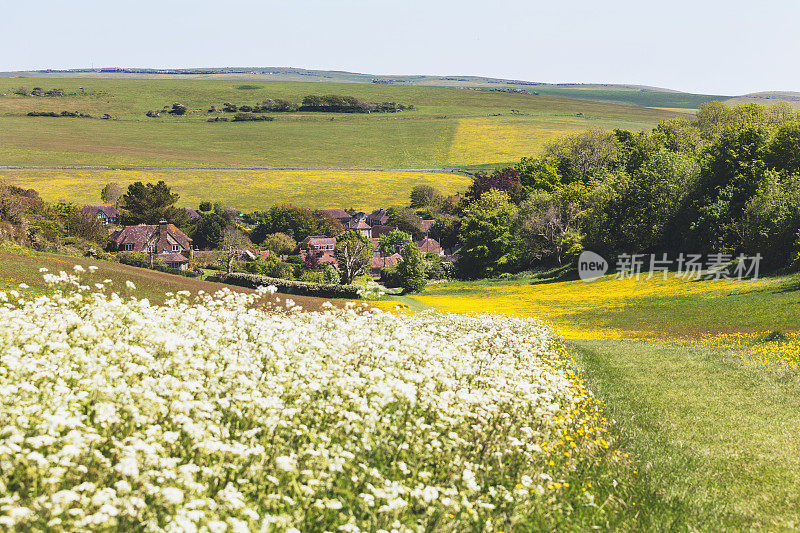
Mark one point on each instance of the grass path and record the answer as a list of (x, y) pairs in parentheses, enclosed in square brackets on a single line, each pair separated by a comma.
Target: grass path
[(718, 445), (716, 442)]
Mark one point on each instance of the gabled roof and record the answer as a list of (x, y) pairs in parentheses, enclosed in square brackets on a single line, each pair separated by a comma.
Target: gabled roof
[(191, 212), (144, 233), (426, 225), (340, 214), (429, 245), (109, 210), (357, 225), (318, 240)]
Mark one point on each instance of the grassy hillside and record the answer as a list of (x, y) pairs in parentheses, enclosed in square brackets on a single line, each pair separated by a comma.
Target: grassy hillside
[(21, 266), (247, 190), (627, 94), (706, 398), (450, 126)]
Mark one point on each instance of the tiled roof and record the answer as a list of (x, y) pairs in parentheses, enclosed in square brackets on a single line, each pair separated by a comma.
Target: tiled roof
[(109, 210), (427, 225), (337, 213), (318, 240), (430, 245)]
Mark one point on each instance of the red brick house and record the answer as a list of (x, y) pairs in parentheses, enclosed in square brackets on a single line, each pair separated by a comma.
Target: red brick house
[(379, 217), (318, 242), (163, 241), (360, 226)]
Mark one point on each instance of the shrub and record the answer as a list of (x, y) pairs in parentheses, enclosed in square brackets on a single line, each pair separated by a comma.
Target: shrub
[(300, 288)]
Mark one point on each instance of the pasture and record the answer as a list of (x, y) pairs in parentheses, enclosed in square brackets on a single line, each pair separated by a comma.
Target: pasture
[(449, 127), (247, 190), (700, 376)]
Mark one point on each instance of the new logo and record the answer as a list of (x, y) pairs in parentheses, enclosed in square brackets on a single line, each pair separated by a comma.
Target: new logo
[(591, 266)]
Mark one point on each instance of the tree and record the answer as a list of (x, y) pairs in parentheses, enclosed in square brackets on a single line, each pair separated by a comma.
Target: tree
[(233, 243), (205, 206), (391, 243), (110, 193), (584, 155), (424, 196), (279, 243), (405, 220), (537, 174), (488, 234), (446, 230), (506, 180), (550, 225), (411, 270), (208, 231), (149, 204), (354, 254), (85, 224), (784, 150)]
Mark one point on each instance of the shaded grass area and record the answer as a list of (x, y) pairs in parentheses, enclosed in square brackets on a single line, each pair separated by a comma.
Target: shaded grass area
[(714, 439), (449, 126), (16, 268)]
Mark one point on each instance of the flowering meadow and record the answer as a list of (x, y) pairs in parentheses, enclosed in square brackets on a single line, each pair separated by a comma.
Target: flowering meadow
[(209, 413)]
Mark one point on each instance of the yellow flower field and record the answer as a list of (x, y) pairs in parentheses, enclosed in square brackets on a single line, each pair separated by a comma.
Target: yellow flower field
[(571, 304), (247, 190)]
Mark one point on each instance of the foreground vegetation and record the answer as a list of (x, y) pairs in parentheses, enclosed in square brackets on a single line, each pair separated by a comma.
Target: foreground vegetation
[(158, 417), (701, 377)]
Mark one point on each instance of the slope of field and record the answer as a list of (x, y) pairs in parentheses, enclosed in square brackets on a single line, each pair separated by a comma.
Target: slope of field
[(247, 190), (22, 266), (706, 397), (427, 137), (637, 95)]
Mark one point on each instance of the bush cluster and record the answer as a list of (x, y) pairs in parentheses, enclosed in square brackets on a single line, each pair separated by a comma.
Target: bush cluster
[(300, 288)]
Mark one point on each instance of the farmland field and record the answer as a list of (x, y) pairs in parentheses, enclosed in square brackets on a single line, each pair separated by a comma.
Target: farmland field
[(247, 190), (446, 123), (701, 376)]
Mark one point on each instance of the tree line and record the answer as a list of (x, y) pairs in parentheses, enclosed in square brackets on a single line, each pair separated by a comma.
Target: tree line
[(726, 182)]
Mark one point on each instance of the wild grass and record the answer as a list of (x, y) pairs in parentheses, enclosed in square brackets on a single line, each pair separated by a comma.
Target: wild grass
[(247, 190), (704, 392)]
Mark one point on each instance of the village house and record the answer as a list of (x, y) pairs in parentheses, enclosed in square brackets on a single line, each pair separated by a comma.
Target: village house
[(430, 245), (107, 213), (379, 217), (339, 214), (162, 242)]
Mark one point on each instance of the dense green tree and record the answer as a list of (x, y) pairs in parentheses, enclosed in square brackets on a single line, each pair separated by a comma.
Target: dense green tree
[(208, 231), (784, 150), (405, 220), (392, 242), (149, 204), (279, 243), (411, 270), (537, 174), (488, 235)]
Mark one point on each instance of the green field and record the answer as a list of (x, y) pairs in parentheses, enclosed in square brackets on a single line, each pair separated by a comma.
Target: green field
[(450, 126), (706, 405)]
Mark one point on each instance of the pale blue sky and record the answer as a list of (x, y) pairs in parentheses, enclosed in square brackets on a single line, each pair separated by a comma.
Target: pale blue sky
[(730, 47)]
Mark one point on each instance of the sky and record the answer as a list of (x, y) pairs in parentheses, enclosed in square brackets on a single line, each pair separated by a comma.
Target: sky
[(703, 46)]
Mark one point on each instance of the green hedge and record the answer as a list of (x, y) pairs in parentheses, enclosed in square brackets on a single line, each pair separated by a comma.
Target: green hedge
[(300, 288)]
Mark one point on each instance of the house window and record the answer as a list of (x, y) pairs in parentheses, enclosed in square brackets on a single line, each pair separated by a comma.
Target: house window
[(128, 247), (151, 248), (175, 248)]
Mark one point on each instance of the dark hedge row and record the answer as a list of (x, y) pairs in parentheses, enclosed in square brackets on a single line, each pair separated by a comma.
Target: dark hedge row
[(300, 288)]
